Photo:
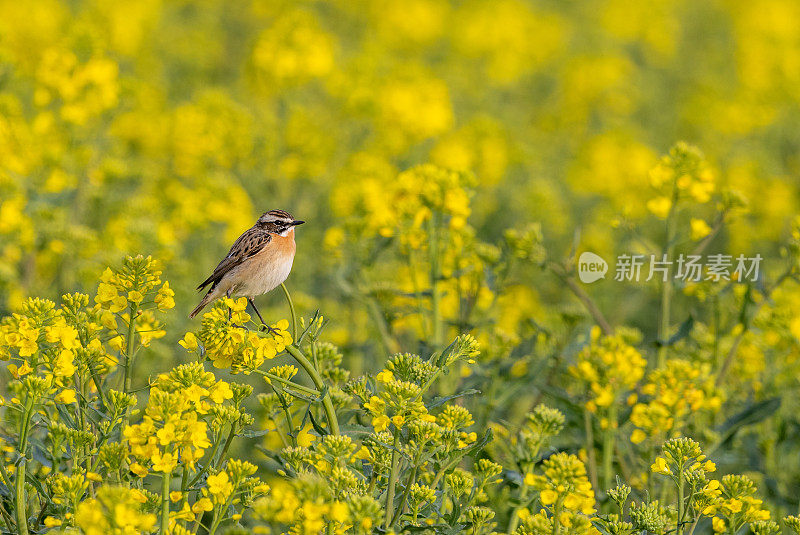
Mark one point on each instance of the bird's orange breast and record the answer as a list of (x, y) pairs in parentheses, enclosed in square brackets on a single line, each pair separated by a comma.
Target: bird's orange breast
[(284, 245)]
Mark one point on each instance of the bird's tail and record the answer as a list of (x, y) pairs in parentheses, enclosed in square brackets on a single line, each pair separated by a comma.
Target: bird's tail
[(206, 299)]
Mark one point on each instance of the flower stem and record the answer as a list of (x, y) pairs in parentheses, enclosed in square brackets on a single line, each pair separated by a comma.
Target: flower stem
[(21, 502), (129, 349), (327, 404), (608, 446), (557, 516), (679, 527), (287, 382), (392, 480), (291, 309), (411, 480), (165, 502), (434, 280), (666, 287), (513, 522)]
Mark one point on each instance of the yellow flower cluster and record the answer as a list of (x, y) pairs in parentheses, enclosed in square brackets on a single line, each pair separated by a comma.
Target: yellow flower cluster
[(564, 485), (404, 205), (115, 510), (225, 341), (78, 91), (229, 487), (676, 393), (610, 366), (39, 341), (685, 173), (130, 286), (129, 293), (396, 402), (173, 428), (308, 506), (734, 504)]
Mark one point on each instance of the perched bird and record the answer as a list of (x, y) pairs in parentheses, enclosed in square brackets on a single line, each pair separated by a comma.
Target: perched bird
[(259, 261)]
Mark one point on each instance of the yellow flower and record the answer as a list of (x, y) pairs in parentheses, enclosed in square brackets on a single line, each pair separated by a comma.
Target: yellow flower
[(385, 376), (220, 392), (339, 512), (718, 524), (638, 436), (219, 486), (380, 423), (106, 292), (66, 396), (64, 366), (660, 466), (548, 496), (659, 206), (189, 342), (164, 462), (139, 470), (117, 343), (20, 371), (203, 504), (118, 304), (699, 229)]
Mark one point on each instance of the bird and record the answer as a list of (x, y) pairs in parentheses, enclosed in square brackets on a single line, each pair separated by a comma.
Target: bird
[(258, 262)]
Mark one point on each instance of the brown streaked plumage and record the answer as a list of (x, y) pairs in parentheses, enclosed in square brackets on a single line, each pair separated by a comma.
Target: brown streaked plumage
[(259, 261)]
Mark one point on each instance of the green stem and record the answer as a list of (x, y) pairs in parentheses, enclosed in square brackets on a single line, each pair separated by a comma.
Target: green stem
[(21, 500), (411, 480), (165, 502), (679, 527), (442, 471), (222, 512), (694, 525), (433, 229), (291, 309), (590, 452), (666, 286), (327, 404), (227, 445), (557, 517), (205, 468), (608, 446), (513, 522), (392, 479), (129, 349), (287, 382)]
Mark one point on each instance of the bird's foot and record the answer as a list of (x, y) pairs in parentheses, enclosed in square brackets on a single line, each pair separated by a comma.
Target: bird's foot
[(267, 328)]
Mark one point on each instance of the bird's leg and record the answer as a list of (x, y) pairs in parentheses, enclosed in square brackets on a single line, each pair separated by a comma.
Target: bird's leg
[(263, 323)]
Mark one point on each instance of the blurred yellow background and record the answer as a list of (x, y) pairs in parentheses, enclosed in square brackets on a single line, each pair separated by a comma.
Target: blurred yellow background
[(165, 128)]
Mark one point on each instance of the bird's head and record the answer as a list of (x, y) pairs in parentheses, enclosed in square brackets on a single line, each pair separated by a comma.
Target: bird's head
[(278, 222)]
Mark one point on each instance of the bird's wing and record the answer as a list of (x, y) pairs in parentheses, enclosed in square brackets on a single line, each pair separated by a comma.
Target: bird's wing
[(249, 244)]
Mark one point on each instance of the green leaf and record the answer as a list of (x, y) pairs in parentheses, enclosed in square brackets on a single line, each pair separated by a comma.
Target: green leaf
[(752, 414), (683, 331), (253, 433), (437, 401), (480, 443)]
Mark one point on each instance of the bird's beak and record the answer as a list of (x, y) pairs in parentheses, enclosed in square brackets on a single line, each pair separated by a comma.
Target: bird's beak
[(296, 222)]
